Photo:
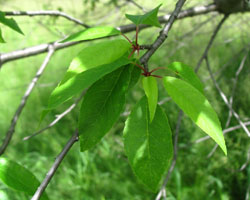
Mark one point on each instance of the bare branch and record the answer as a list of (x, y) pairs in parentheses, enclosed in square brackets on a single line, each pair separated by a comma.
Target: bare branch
[(46, 13), (177, 130), (204, 55), (163, 34), (58, 118), (18, 112), (31, 51), (234, 87), (54, 167), (224, 98)]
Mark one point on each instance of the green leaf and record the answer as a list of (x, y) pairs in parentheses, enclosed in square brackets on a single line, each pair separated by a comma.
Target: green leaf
[(148, 145), (1, 37), (92, 33), (135, 75), (11, 23), (18, 178), (102, 105), (150, 18), (151, 90), (76, 84), (96, 55), (197, 107), (187, 74)]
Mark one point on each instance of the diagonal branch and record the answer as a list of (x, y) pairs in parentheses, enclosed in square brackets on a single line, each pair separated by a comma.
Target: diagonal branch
[(224, 98), (54, 167), (204, 55), (32, 51), (163, 34), (46, 13), (18, 112), (58, 118)]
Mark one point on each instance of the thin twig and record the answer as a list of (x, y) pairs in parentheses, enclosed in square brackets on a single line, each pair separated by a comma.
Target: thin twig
[(31, 51), (218, 27), (46, 13), (224, 98), (225, 131), (177, 130), (136, 4), (247, 161), (54, 167), (163, 34), (18, 112), (57, 119), (242, 64)]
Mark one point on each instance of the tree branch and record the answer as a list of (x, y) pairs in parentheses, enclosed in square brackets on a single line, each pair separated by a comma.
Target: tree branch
[(163, 34), (211, 42), (46, 13), (224, 98), (31, 51), (18, 112), (58, 118), (54, 167)]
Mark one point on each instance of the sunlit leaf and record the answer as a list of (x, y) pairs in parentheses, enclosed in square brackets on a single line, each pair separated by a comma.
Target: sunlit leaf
[(18, 178), (149, 18), (148, 145), (11, 23), (151, 90), (81, 81), (187, 74), (196, 106), (92, 33), (96, 55), (102, 106)]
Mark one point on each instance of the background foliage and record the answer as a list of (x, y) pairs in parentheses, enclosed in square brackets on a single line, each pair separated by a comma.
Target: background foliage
[(103, 172)]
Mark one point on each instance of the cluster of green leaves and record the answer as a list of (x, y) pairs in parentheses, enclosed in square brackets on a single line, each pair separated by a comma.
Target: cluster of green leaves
[(11, 23), (108, 73)]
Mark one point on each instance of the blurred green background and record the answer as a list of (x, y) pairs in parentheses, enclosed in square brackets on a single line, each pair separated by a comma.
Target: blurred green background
[(103, 172)]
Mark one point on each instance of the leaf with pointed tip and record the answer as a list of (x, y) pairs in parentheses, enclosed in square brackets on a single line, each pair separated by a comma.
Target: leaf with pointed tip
[(76, 84), (195, 105), (18, 177), (148, 145), (102, 106), (151, 90), (92, 33), (1, 37), (96, 55), (187, 74), (11, 23), (149, 18)]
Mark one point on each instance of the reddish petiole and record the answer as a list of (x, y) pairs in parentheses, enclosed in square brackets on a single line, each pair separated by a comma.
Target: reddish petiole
[(146, 73)]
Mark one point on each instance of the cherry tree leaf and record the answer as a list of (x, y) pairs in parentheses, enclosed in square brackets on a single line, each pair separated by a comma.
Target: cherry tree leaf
[(151, 90), (148, 145), (96, 55), (92, 33), (187, 74), (18, 177), (195, 105), (11, 23), (102, 106), (81, 81), (149, 18)]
